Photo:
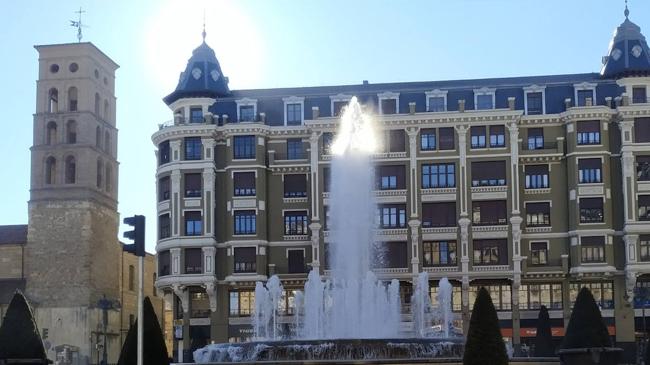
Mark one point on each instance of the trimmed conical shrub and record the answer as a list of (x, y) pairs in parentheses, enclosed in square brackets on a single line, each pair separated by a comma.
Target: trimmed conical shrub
[(544, 338), (586, 327), (19, 336), (484, 343), (154, 349)]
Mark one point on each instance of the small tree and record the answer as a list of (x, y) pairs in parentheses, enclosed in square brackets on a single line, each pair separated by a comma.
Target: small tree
[(154, 350), (586, 327), (544, 339), (484, 343), (19, 336)]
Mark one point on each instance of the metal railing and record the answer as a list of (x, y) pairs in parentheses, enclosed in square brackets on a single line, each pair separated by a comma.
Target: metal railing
[(525, 146)]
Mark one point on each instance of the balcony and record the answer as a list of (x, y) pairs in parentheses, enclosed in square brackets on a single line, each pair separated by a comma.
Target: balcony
[(284, 158), (536, 148), (490, 268)]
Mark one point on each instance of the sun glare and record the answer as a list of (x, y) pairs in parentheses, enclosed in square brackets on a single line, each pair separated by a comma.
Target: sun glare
[(174, 30)]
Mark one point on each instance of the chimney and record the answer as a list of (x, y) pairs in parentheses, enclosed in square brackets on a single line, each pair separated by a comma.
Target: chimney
[(224, 118), (608, 101), (263, 117), (412, 107), (461, 105), (567, 103), (511, 103)]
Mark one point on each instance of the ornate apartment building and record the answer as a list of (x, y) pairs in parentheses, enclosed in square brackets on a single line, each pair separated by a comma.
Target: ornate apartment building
[(530, 186)]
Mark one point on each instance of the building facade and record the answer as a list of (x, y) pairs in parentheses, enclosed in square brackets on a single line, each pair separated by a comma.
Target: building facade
[(530, 186)]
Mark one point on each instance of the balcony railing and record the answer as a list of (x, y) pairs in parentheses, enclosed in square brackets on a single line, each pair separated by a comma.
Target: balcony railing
[(525, 146), (284, 156)]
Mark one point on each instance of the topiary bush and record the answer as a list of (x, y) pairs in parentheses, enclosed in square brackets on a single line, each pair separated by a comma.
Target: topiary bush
[(586, 327), (154, 350), (19, 336), (484, 343), (544, 338)]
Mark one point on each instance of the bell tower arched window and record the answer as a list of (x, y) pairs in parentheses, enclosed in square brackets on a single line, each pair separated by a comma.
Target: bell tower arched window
[(98, 137), (50, 138), (106, 110), (97, 104), (53, 100), (72, 99), (100, 173), (109, 173), (107, 142), (50, 170), (71, 132), (70, 170)]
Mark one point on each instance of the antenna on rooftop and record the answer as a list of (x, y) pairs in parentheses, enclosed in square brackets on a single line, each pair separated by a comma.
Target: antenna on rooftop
[(77, 24), (203, 33), (627, 11)]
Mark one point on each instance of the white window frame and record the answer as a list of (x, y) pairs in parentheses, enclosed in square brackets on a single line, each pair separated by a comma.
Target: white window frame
[(535, 89), (437, 93), (584, 86), (530, 249), (294, 100), (338, 98), (388, 95), (246, 102), (485, 91)]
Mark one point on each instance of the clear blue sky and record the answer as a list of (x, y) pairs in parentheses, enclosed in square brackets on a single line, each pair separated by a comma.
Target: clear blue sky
[(282, 43)]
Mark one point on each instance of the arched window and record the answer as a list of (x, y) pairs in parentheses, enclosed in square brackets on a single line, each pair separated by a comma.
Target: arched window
[(71, 132), (106, 110), (100, 173), (53, 100), (97, 104), (50, 137), (72, 99), (109, 185), (98, 137), (107, 142), (70, 170), (50, 170)]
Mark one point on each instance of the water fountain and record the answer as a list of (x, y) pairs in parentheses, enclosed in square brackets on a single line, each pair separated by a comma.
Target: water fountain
[(349, 314)]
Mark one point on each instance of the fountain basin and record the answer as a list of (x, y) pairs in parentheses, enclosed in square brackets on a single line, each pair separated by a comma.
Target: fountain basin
[(336, 349)]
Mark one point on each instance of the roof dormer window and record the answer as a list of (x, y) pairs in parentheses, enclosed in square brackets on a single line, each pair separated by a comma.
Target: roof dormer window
[(388, 103), (484, 98), (338, 102), (535, 100), (585, 94), (293, 110), (196, 114), (436, 101), (246, 110), (639, 95)]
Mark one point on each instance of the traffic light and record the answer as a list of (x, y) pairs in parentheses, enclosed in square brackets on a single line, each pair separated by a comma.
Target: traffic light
[(137, 235)]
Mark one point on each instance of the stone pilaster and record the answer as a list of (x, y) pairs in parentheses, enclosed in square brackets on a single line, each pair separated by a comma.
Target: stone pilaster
[(313, 161), (462, 169), (413, 167), (466, 310), (175, 150), (464, 244), (315, 245), (209, 260), (176, 260), (208, 200), (414, 224), (175, 202)]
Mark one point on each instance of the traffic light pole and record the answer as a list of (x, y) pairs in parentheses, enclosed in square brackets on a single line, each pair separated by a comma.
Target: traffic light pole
[(140, 308), (137, 248)]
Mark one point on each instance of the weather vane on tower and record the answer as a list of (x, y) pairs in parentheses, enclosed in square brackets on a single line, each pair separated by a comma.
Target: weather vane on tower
[(77, 24)]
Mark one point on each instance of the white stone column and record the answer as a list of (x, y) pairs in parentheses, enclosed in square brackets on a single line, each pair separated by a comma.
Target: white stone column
[(209, 260), (175, 207), (413, 181), (313, 163), (176, 260), (208, 199), (315, 244), (514, 165), (208, 148), (175, 150), (629, 191), (462, 169), (464, 243)]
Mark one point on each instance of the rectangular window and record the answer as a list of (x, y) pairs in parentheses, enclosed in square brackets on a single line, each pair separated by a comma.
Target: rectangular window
[(296, 260), (396, 141), (164, 263), (390, 177), (644, 247), (242, 303), (639, 95), (388, 106), (391, 216), (484, 101), (588, 132), (456, 297), (193, 261), (538, 214), (244, 147), (245, 259), (497, 136), (247, 113), (193, 148), (489, 173), (294, 149), (245, 222), (437, 104), (641, 130), (163, 226), (535, 138), (193, 223), (326, 179), (592, 248), (446, 138), (163, 188), (337, 107), (489, 213), (438, 176), (589, 170), (295, 223), (536, 176), (244, 183), (478, 136), (439, 214), (534, 103), (328, 139), (163, 153), (392, 255), (441, 253), (538, 253), (196, 115), (644, 207), (490, 252), (591, 210), (294, 114), (501, 295), (643, 168), (192, 185), (428, 139), (295, 186), (199, 304), (533, 296), (603, 293), (583, 95)]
